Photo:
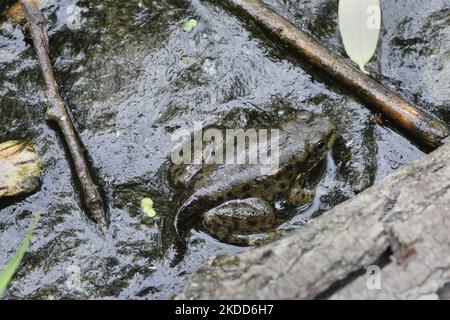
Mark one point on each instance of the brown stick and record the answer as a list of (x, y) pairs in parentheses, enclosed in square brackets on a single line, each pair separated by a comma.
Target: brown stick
[(56, 112), (429, 130)]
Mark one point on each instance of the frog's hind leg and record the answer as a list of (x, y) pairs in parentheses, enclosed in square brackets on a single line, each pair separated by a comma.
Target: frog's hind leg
[(174, 240), (178, 228), (235, 220), (174, 244), (257, 239), (179, 250)]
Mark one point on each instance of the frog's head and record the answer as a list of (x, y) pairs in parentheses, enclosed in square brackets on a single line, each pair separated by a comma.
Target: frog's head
[(320, 137), (307, 139)]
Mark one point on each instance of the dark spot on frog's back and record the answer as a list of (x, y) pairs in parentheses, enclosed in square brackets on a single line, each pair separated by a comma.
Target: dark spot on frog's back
[(252, 222), (279, 195), (246, 187), (266, 185)]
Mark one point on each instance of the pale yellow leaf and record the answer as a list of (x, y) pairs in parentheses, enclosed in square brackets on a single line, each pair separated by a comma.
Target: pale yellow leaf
[(147, 207), (359, 24)]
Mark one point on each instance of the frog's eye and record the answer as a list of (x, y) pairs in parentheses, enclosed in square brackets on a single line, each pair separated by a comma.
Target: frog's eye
[(320, 145)]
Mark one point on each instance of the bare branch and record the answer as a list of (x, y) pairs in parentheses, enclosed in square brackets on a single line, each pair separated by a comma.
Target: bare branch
[(56, 112)]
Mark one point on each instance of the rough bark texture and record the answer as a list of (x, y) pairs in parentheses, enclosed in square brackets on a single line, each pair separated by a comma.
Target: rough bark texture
[(401, 224), (429, 130)]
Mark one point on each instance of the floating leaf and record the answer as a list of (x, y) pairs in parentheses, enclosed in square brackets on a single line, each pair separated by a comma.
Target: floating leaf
[(359, 24), (189, 25), (7, 273), (147, 207)]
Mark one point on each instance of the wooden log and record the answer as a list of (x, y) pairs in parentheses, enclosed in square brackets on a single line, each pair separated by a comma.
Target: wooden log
[(424, 127), (57, 113)]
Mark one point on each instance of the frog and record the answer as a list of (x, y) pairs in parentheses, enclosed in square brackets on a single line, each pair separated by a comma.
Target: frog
[(236, 203)]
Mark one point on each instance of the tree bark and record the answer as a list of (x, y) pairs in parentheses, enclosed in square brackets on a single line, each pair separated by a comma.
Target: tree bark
[(424, 127), (56, 112)]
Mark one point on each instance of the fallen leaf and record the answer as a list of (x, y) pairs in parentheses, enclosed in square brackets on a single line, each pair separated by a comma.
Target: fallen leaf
[(147, 207), (189, 25), (359, 24)]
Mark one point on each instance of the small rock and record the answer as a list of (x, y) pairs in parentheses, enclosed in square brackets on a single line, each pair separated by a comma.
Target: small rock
[(73, 21), (20, 168)]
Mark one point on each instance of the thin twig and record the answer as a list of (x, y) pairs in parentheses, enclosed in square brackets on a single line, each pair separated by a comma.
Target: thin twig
[(56, 112), (429, 130)]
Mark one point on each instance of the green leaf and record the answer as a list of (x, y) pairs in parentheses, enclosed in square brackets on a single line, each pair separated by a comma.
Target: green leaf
[(359, 24), (8, 272), (147, 207), (189, 25)]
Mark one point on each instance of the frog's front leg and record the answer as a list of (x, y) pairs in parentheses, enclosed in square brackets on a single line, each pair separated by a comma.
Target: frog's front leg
[(299, 195), (238, 221)]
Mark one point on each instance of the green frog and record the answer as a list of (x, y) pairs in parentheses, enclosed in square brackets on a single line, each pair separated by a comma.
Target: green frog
[(235, 202)]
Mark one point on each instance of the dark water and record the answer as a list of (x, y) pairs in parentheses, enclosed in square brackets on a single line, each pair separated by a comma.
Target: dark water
[(132, 76)]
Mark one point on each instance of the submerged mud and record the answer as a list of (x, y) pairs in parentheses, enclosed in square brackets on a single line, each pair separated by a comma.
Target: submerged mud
[(131, 77)]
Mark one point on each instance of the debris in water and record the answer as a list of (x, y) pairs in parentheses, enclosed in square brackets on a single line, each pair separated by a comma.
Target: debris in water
[(20, 168), (73, 21), (189, 25), (147, 207)]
